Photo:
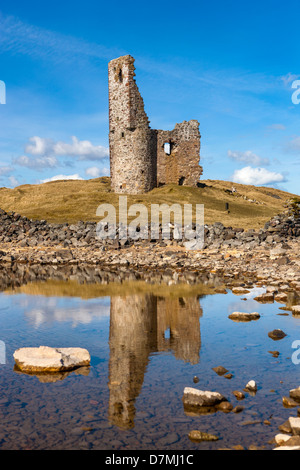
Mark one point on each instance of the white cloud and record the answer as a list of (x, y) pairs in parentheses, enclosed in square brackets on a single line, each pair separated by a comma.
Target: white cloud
[(36, 163), (93, 172), (83, 149), (257, 176), (5, 170), (277, 127), (39, 146), (293, 145), (247, 157), (13, 181), (62, 177)]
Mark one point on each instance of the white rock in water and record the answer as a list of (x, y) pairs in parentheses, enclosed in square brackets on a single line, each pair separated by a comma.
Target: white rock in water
[(195, 397), (295, 426), (251, 385), (244, 316), (296, 309), (281, 439), (46, 359), (287, 448)]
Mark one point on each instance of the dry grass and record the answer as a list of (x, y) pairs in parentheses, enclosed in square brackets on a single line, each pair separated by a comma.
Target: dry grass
[(71, 201)]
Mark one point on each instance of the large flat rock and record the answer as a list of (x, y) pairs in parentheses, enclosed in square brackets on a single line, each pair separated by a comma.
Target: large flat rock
[(46, 359)]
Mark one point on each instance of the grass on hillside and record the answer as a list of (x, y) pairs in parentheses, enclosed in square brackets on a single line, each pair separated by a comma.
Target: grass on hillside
[(74, 200)]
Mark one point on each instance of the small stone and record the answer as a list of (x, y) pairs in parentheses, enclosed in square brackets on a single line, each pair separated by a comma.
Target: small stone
[(196, 379), (240, 290), (244, 316), (228, 376), (276, 334), (281, 439), (285, 427), (251, 386), (225, 406), (238, 409), (202, 436), (295, 425), (265, 298), (274, 353), (238, 395), (220, 370), (289, 402)]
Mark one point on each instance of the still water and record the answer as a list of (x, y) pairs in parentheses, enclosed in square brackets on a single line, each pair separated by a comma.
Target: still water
[(146, 344)]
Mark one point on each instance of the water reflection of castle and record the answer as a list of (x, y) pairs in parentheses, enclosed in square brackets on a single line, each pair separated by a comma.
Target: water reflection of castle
[(140, 325)]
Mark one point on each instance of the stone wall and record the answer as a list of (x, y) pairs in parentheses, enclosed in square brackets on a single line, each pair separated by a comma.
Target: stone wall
[(182, 165), (138, 161)]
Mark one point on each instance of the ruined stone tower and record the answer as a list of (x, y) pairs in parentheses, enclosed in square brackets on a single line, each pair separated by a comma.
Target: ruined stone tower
[(142, 158)]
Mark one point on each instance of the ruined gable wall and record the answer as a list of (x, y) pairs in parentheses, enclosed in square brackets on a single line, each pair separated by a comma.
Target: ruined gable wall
[(132, 142), (182, 165)]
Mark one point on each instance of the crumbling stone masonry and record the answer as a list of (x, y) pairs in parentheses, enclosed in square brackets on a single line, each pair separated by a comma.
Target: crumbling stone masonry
[(142, 158)]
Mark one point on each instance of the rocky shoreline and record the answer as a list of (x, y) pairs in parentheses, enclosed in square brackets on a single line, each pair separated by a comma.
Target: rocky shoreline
[(270, 254)]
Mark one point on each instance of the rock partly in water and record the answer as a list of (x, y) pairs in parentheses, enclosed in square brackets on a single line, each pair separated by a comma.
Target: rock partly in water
[(295, 426), (244, 316), (296, 309), (195, 400), (47, 359), (276, 334), (251, 386), (238, 395), (220, 370), (295, 394), (240, 290), (289, 402)]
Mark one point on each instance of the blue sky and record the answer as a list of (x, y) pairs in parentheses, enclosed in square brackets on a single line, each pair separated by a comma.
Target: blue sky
[(230, 65)]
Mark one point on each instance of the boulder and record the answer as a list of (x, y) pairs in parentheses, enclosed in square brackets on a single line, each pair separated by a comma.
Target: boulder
[(240, 290), (276, 334), (244, 316), (46, 359), (295, 394), (194, 398), (295, 426), (265, 298), (296, 309)]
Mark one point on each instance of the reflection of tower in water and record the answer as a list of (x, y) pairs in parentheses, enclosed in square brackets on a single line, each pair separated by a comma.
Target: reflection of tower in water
[(138, 324), (181, 317)]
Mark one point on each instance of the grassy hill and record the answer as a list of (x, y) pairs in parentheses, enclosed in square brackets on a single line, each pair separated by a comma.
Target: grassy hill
[(74, 200)]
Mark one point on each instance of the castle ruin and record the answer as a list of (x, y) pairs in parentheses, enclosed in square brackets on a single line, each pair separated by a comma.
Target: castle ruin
[(142, 158)]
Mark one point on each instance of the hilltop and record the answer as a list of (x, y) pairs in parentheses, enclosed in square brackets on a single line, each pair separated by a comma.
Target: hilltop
[(74, 200)]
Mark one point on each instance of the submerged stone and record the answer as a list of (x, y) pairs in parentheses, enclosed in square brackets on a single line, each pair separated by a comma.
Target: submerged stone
[(196, 435)]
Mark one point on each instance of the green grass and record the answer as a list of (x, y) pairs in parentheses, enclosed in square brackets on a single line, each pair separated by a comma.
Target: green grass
[(74, 200)]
